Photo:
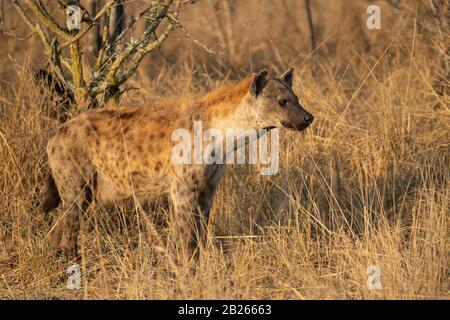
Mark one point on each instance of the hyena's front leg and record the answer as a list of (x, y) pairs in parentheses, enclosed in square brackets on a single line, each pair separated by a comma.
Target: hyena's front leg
[(192, 199), (183, 224), (213, 177)]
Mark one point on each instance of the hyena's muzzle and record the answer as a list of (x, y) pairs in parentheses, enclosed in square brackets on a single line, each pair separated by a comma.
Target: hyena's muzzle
[(297, 118)]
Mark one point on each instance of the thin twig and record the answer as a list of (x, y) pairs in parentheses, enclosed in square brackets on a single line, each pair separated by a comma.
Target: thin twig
[(311, 32), (189, 35), (46, 19)]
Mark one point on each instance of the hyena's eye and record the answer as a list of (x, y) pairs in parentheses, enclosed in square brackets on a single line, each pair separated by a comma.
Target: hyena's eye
[(282, 102)]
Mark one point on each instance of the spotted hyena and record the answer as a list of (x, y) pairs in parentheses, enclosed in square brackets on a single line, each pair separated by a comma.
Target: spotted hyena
[(109, 155)]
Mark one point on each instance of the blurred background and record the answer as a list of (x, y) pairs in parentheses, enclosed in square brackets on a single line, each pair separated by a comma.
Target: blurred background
[(244, 36)]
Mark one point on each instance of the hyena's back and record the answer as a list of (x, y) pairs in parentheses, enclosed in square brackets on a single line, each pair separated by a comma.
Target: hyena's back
[(119, 152)]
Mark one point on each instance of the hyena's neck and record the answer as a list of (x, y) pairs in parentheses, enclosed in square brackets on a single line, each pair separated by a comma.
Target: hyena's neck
[(229, 108), (242, 117)]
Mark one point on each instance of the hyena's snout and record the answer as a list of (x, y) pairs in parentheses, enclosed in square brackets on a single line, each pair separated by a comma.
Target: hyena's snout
[(307, 118), (300, 121)]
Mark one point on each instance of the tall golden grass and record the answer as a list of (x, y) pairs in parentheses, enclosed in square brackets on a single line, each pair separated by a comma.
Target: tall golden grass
[(366, 184)]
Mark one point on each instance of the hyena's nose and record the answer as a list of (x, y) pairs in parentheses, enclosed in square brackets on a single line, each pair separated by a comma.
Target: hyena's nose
[(308, 118)]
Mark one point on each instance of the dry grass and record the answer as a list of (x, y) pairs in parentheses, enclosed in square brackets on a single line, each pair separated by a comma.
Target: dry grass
[(367, 184)]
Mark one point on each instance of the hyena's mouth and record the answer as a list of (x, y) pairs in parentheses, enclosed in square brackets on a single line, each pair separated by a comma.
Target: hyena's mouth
[(297, 127)]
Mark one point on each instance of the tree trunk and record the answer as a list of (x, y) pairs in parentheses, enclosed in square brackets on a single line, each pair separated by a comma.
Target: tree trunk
[(312, 34), (95, 40), (117, 19)]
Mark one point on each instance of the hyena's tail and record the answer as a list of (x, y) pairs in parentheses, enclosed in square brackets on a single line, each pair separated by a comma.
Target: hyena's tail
[(52, 198)]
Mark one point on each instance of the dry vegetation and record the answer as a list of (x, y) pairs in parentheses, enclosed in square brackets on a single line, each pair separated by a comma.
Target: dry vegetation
[(367, 184)]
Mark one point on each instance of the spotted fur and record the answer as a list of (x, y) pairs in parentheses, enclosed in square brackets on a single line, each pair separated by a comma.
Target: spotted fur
[(111, 155)]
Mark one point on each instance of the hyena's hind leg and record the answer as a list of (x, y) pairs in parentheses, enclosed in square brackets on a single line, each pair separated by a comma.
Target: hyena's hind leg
[(51, 202), (75, 190), (76, 204)]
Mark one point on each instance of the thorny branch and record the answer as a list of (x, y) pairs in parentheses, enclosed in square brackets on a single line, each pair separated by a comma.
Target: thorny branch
[(117, 58)]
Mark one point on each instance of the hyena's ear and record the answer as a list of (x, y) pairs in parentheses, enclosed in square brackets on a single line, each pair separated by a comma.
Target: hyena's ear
[(288, 77), (258, 82)]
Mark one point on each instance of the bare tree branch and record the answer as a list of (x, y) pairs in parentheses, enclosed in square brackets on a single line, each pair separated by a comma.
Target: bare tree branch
[(190, 36), (48, 47), (46, 19), (92, 23), (311, 32), (117, 20), (142, 42), (117, 59)]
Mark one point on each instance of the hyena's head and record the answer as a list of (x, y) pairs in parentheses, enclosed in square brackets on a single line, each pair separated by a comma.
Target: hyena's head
[(276, 102)]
